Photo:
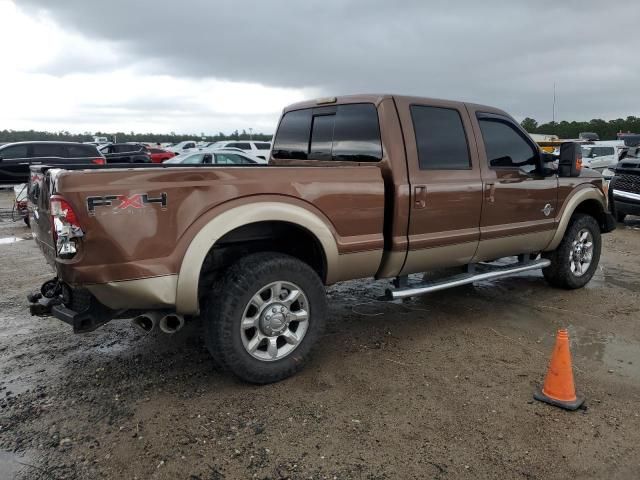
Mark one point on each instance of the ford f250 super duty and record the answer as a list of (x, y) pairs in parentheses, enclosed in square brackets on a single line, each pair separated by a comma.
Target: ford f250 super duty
[(361, 186)]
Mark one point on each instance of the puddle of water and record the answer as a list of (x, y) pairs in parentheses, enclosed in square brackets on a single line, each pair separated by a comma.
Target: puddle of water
[(8, 240), (615, 276), (11, 464), (611, 351)]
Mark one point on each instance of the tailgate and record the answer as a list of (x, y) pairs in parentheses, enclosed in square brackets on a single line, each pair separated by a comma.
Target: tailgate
[(39, 191)]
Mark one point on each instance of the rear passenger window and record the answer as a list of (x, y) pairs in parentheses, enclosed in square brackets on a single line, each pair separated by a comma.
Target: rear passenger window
[(81, 151), (440, 138), (47, 150), (240, 145), (505, 145), (263, 146), (342, 133)]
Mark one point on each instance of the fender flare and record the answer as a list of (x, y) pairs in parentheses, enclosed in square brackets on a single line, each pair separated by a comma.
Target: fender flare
[(570, 206), (225, 222)]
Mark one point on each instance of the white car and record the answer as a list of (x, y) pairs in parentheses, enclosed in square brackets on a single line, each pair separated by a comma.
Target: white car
[(252, 147), (601, 155), (183, 147), (215, 157)]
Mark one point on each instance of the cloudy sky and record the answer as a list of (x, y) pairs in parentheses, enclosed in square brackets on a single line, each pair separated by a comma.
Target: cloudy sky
[(192, 66)]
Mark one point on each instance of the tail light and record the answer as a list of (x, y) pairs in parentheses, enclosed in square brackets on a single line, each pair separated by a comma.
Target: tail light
[(65, 227), (98, 161)]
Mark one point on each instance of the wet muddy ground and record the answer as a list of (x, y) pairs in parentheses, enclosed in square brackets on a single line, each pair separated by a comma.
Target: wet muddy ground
[(436, 387)]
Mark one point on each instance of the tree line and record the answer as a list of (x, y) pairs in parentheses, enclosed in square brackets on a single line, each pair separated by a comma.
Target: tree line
[(7, 136), (606, 130)]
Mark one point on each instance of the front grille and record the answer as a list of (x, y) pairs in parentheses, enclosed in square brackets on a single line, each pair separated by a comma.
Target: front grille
[(626, 183)]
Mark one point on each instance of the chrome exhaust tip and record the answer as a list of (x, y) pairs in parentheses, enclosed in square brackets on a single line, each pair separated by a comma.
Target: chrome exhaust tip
[(171, 323), (147, 322)]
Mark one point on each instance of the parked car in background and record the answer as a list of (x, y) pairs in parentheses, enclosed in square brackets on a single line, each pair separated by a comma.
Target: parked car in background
[(257, 149), (159, 155), (15, 158), (588, 136), (126, 153), (217, 157), (183, 147), (601, 155), (624, 188)]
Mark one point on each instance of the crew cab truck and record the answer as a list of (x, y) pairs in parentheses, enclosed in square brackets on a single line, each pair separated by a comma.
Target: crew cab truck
[(359, 186)]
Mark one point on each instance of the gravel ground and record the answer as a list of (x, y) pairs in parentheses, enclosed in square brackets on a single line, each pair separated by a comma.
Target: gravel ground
[(437, 387)]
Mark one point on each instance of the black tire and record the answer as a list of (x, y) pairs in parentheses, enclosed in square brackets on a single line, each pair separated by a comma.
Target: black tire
[(223, 312), (559, 273), (27, 221)]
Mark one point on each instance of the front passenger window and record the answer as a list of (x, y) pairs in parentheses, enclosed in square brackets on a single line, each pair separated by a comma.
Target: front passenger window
[(505, 145)]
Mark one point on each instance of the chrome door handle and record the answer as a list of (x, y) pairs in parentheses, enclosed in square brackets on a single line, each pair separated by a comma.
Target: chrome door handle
[(420, 196)]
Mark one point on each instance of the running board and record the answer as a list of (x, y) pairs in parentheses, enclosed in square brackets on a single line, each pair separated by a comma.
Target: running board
[(482, 272)]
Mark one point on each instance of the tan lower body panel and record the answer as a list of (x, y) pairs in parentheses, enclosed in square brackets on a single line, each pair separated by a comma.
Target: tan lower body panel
[(392, 262), (350, 266), (514, 245), (439, 257), (152, 292)]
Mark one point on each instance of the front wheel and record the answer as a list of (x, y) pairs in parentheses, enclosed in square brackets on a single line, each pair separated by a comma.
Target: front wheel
[(576, 259), (263, 317)]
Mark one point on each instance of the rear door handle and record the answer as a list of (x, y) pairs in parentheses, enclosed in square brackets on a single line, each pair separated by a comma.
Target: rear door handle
[(420, 196), (491, 192)]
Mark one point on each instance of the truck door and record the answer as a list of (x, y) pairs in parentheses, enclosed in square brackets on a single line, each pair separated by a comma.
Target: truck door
[(446, 188), (519, 203)]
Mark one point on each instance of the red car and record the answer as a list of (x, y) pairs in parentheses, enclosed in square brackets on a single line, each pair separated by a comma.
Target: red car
[(158, 155)]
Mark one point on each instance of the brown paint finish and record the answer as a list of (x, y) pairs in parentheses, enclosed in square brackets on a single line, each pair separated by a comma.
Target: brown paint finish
[(513, 201), (445, 203), (145, 242), (412, 219)]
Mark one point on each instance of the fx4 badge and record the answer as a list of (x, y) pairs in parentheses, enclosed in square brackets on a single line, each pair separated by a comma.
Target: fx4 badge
[(121, 203)]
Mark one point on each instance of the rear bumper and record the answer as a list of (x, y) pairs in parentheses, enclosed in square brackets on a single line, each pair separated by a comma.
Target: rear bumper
[(77, 307)]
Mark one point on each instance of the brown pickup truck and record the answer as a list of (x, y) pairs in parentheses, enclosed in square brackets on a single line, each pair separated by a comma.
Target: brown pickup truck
[(361, 186)]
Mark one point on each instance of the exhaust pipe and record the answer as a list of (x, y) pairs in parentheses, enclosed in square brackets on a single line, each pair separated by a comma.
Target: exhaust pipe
[(147, 321), (171, 323)]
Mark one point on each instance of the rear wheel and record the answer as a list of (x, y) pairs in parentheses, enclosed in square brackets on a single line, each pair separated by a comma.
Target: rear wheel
[(264, 316), (576, 259)]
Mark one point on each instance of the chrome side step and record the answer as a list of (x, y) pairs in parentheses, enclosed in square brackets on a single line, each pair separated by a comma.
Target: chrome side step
[(482, 272)]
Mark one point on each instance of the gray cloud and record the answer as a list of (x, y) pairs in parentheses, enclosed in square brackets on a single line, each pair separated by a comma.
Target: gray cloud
[(504, 53)]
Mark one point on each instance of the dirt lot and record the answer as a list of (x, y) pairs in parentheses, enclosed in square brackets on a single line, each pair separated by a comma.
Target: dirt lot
[(437, 387)]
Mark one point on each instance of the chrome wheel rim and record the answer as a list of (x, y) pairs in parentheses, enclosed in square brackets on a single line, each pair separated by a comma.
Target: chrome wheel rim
[(275, 320), (581, 253)]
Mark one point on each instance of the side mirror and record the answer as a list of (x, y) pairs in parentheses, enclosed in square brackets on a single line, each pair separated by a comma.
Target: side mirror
[(570, 164)]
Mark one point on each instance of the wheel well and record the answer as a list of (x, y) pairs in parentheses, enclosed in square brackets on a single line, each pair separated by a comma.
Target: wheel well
[(270, 236), (593, 208)]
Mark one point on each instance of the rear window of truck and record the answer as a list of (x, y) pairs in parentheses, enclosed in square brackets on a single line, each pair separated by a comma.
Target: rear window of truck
[(440, 138), (341, 133)]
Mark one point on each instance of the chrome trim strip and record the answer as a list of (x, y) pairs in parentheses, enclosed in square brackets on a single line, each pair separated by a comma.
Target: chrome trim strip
[(623, 194)]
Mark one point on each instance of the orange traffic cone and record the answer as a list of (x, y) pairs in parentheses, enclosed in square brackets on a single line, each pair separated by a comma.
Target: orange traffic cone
[(558, 388)]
